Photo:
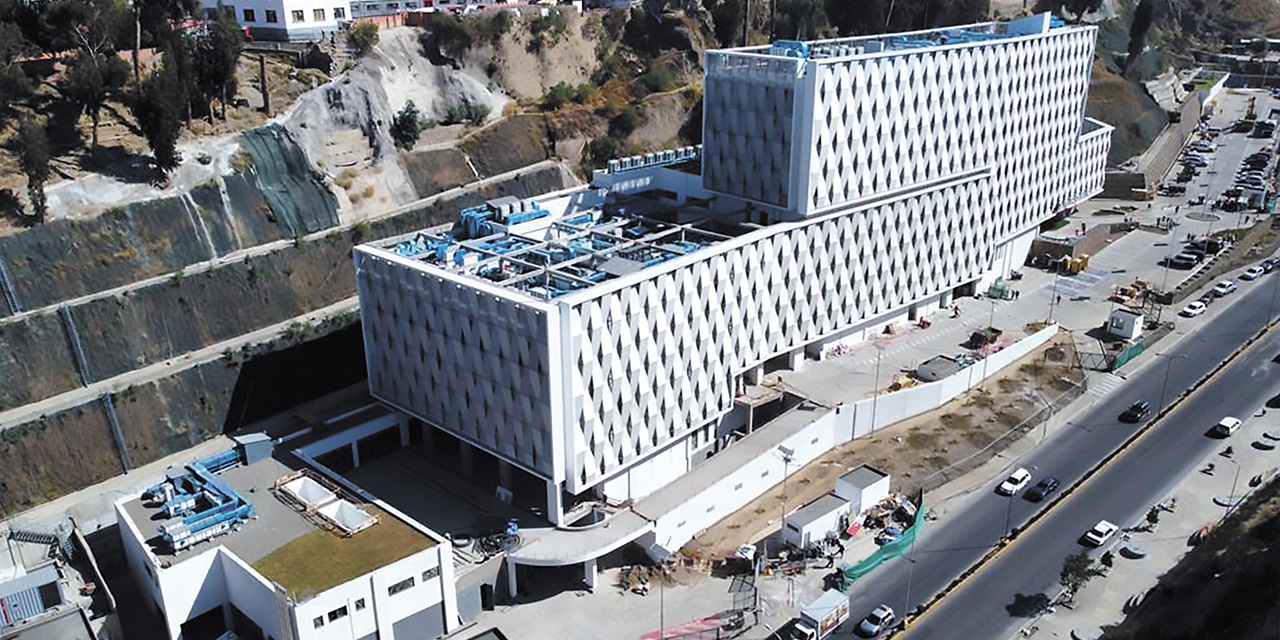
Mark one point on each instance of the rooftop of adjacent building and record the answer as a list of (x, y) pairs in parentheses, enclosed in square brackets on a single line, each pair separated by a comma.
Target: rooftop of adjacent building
[(529, 248), (852, 47), (286, 542)]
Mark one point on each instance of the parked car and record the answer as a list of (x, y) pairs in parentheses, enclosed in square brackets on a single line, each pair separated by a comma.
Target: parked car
[(877, 621), (1226, 287), (1136, 411), (1100, 533), (1252, 273), (1042, 489), (1226, 426), (1193, 309), (1270, 264), (1015, 482)]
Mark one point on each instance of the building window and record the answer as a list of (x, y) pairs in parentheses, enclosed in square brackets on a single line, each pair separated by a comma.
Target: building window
[(403, 585), (371, 7), (411, 5), (339, 13), (229, 11), (298, 16), (248, 16), (433, 572), (317, 15), (338, 614), (271, 16), (318, 622), (360, 604), (392, 6)]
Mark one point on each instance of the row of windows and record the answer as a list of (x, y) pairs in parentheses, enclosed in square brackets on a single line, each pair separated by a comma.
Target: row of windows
[(337, 614), (298, 15), (407, 583)]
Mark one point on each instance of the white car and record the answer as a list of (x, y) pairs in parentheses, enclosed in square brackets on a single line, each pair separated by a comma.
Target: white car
[(1192, 310), (1226, 426), (1100, 533), (1015, 482), (878, 620), (1223, 288), (1252, 273)]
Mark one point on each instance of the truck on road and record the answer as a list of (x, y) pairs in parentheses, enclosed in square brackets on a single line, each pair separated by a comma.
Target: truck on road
[(821, 617)]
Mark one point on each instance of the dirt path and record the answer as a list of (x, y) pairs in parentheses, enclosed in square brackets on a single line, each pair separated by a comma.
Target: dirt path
[(915, 450)]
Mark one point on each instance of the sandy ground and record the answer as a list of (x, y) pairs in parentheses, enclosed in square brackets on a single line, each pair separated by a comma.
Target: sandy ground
[(528, 75)]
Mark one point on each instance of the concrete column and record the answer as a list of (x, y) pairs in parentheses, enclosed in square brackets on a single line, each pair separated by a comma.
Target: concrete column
[(404, 430), (504, 473), (355, 455), (428, 439), (555, 504), (513, 587), (465, 456), (226, 616), (589, 573), (795, 359), (754, 375)]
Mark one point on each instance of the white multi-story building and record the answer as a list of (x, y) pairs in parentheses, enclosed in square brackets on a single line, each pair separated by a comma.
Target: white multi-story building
[(596, 338), (241, 542)]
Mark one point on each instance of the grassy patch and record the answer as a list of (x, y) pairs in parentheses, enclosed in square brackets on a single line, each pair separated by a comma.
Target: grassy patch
[(321, 560)]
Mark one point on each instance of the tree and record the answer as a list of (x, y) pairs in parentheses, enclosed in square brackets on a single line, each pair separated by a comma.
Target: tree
[(1142, 18), (363, 37), (218, 53), (90, 80), (801, 20), (158, 110), (14, 84), (406, 127), (33, 158), (1077, 570)]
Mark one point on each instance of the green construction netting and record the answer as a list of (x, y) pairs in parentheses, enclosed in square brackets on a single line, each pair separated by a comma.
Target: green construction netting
[(301, 202), (846, 576)]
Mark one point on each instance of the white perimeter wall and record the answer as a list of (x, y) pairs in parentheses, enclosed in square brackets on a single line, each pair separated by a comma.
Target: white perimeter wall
[(831, 429), (381, 610)]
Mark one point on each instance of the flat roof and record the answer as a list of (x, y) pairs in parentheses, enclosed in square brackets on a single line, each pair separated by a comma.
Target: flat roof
[(925, 39), (302, 554), (818, 508), (864, 476), (544, 254)]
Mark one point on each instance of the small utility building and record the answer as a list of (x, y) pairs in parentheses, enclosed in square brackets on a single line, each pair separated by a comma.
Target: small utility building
[(815, 521), (863, 487)]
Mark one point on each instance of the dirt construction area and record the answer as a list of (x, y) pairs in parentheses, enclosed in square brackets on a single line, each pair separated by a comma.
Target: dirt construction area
[(924, 451)]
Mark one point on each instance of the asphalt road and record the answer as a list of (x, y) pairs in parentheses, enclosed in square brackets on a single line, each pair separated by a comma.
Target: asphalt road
[(1130, 485)]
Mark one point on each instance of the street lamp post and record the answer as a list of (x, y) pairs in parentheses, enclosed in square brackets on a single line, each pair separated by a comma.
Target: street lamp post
[(1164, 387), (788, 455), (875, 399), (1231, 498), (1053, 300), (991, 320)]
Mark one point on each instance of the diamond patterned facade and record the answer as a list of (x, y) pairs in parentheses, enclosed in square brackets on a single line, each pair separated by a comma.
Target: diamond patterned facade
[(588, 335)]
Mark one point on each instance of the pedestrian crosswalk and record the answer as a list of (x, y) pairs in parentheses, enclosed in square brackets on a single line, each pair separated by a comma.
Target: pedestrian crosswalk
[(1078, 285), (1102, 384)]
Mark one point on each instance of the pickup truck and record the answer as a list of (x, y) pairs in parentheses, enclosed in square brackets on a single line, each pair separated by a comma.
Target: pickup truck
[(822, 617)]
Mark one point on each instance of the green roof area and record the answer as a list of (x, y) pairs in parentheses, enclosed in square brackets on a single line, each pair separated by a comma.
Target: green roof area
[(321, 560)]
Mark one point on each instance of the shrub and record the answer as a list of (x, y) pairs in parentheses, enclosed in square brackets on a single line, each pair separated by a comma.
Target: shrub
[(556, 96), (363, 37), (584, 93), (627, 120), (658, 79), (406, 126), (547, 30)]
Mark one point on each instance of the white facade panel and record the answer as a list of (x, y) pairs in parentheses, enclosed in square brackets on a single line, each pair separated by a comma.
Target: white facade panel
[(658, 358), (473, 361)]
